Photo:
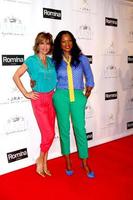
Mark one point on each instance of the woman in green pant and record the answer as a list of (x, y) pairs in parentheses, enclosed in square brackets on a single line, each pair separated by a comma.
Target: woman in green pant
[(69, 99)]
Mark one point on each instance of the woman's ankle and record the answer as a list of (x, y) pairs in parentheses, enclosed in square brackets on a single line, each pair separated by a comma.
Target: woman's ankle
[(85, 165), (68, 162)]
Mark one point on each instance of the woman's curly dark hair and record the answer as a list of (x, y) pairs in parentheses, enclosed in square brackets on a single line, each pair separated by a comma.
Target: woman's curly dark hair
[(58, 52)]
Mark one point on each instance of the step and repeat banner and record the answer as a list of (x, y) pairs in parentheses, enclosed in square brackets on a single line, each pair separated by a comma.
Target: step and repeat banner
[(104, 31)]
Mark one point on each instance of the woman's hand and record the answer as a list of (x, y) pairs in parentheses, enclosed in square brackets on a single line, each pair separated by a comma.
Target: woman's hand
[(32, 83), (88, 91), (31, 95)]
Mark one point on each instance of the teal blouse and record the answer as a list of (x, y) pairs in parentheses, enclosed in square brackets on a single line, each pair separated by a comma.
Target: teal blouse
[(44, 77)]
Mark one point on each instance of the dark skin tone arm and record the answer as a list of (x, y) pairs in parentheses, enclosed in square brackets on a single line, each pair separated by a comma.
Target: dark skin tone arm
[(88, 91)]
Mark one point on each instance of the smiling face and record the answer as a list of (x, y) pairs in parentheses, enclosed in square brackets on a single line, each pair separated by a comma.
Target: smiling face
[(44, 46), (66, 43), (43, 43)]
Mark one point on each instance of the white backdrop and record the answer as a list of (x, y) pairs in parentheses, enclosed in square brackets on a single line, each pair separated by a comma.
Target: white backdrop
[(104, 31)]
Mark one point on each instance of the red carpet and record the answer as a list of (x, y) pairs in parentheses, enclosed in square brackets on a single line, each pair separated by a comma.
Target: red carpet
[(113, 166)]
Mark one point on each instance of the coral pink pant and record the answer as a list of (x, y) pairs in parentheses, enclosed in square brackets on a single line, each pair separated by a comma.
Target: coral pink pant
[(45, 116)]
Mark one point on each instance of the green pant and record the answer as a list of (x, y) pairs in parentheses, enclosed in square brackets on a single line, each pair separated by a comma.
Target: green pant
[(65, 109)]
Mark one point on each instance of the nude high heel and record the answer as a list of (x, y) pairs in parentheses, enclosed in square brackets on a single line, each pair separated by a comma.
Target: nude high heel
[(47, 172), (39, 168)]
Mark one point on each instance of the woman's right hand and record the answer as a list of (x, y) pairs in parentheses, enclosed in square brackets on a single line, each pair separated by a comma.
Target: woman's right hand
[(31, 95)]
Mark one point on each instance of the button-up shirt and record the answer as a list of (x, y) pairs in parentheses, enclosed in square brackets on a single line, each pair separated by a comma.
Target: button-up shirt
[(82, 74), (44, 76)]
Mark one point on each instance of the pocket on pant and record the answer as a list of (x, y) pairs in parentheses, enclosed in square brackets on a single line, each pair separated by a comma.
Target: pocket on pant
[(84, 97)]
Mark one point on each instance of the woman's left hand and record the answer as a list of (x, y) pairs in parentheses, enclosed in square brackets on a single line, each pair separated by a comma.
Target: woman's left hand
[(88, 91)]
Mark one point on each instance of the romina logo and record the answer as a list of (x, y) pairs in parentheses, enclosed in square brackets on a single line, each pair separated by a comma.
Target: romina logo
[(110, 95), (12, 60), (129, 125), (17, 155), (89, 135), (90, 58), (51, 13), (130, 59), (111, 22)]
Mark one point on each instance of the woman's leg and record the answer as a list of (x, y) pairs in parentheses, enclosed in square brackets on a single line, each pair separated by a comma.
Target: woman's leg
[(61, 103), (45, 166), (85, 165), (78, 120), (62, 112), (68, 162), (45, 115), (39, 164)]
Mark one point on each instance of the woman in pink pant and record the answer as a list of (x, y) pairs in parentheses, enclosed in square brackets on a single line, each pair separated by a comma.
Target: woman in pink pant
[(41, 70)]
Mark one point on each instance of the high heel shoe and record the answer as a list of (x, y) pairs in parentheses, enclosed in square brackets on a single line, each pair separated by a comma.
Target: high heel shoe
[(39, 168), (47, 172), (69, 172), (91, 174), (41, 173)]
